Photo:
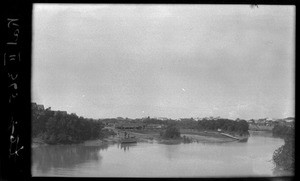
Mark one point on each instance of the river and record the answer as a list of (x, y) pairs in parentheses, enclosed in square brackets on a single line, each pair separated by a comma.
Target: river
[(235, 159)]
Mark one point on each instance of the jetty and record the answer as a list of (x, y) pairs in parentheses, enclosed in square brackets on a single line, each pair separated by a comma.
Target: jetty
[(233, 137)]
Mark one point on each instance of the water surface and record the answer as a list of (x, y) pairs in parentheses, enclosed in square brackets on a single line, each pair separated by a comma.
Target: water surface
[(252, 158)]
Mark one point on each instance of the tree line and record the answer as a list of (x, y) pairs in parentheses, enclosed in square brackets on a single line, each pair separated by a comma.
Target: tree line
[(59, 128), (171, 132), (281, 130), (226, 125), (240, 127), (56, 127)]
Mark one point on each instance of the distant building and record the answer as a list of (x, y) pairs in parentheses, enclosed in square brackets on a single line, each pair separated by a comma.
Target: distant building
[(251, 121), (130, 126), (154, 126), (261, 122), (211, 118), (289, 119), (144, 118)]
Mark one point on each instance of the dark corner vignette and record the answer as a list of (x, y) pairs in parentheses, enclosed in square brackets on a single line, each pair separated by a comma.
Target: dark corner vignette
[(15, 63)]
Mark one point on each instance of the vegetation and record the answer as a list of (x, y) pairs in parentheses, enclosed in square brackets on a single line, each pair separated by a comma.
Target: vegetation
[(106, 133), (187, 123), (281, 130), (62, 128), (238, 127), (149, 120), (171, 132), (284, 156)]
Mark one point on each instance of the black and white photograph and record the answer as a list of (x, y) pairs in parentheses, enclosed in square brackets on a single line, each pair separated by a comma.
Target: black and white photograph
[(162, 90)]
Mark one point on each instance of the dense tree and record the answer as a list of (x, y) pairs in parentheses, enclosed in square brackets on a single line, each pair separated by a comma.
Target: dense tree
[(63, 128), (282, 130), (239, 127), (149, 120), (187, 123), (171, 132)]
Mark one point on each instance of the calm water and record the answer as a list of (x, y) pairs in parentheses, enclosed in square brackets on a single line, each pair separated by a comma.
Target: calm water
[(252, 158)]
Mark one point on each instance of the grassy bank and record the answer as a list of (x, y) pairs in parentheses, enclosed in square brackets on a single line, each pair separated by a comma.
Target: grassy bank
[(201, 133), (187, 136), (208, 139), (191, 135), (206, 136)]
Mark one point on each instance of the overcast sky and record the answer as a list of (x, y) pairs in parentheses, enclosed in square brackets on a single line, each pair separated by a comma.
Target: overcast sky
[(174, 61)]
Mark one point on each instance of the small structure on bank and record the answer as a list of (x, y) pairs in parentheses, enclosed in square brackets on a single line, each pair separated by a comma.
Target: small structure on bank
[(130, 126), (128, 138)]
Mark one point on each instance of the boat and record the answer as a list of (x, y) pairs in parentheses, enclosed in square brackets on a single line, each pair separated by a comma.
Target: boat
[(128, 140)]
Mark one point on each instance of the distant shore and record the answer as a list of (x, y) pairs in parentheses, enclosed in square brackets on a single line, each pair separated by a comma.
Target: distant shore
[(150, 136), (186, 135)]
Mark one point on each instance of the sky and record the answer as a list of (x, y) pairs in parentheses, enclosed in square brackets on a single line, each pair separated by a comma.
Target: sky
[(175, 61)]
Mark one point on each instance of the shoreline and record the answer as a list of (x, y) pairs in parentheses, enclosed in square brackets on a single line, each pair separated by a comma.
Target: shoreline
[(208, 139), (187, 136)]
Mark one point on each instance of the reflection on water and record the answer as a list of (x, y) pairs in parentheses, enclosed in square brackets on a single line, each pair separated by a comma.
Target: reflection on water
[(64, 156), (126, 146), (261, 133), (251, 158), (171, 151)]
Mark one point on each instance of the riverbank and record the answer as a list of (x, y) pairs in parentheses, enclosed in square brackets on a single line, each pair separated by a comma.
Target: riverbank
[(36, 142), (187, 136), (213, 136), (208, 139)]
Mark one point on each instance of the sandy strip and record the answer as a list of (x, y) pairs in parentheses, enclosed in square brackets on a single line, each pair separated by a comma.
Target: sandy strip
[(208, 139)]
